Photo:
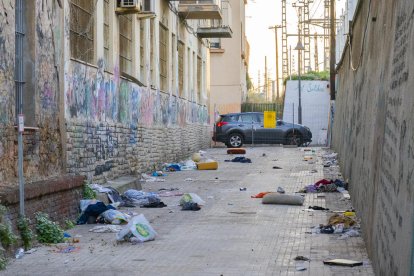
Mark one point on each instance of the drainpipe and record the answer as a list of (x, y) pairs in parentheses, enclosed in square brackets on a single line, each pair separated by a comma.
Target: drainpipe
[(19, 82)]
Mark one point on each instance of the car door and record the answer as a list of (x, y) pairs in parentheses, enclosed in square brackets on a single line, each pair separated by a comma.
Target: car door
[(272, 135), (248, 124)]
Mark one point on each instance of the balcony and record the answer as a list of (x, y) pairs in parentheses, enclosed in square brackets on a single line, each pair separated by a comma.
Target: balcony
[(220, 28), (200, 9)]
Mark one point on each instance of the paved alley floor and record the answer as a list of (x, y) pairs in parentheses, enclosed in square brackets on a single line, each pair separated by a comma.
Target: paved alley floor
[(233, 234)]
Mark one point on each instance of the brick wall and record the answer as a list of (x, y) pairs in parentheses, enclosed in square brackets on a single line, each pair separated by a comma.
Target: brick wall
[(106, 151), (59, 197)]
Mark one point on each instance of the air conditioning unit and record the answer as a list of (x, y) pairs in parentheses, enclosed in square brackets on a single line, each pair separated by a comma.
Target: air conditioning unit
[(128, 3)]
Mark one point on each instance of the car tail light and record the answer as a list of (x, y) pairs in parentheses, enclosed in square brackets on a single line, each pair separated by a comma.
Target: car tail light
[(220, 124)]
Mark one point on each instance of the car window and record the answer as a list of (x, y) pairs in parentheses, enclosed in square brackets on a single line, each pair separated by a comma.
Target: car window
[(279, 123), (230, 118), (260, 118), (248, 118)]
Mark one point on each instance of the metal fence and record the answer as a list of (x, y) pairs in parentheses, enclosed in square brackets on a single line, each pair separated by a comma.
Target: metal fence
[(260, 107)]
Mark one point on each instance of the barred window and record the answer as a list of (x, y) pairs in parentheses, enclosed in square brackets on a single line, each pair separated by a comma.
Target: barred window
[(142, 50), (106, 33), (199, 76), (82, 28), (125, 43), (180, 68), (163, 58)]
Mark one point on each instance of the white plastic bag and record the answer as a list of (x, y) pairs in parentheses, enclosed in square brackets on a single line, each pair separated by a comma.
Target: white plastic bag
[(192, 198), (140, 228), (114, 216)]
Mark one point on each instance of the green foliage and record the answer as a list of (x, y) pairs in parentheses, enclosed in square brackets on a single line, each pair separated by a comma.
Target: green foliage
[(47, 230), (312, 75), (25, 232), (3, 263), (88, 193), (69, 224), (7, 237)]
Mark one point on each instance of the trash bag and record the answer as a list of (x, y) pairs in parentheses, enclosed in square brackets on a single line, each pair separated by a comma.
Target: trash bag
[(141, 198), (114, 217), (191, 198), (137, 227)]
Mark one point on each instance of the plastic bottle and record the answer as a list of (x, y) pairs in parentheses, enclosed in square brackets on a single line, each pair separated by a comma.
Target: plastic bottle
[(19, 253)]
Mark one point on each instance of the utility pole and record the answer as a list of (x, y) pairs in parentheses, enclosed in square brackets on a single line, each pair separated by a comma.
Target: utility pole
[(265, 84), (277, 60), (333, 50), (315, 38)]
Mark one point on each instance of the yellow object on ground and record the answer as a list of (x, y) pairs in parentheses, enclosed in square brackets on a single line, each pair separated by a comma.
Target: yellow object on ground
[(210, 165), (196, 157)]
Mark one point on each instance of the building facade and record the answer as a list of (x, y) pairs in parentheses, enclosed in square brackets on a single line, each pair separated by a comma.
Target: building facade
[(109, 90), (229, 61)]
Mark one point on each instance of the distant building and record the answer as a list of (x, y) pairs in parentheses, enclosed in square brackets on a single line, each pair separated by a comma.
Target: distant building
[(229, 61)]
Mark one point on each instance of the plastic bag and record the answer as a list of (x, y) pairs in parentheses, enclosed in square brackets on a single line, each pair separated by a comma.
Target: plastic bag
[(114, 217), (189, 165), (138, 227), (191, 198)]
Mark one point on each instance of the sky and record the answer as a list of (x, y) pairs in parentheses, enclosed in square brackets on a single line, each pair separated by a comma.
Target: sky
[(260, 15)]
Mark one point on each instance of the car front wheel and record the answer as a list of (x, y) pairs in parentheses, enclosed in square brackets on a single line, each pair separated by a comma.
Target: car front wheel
[(235, 140)]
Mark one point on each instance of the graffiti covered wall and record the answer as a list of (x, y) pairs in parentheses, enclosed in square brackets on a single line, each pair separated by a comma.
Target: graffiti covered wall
[(115, 127), (42, 144)]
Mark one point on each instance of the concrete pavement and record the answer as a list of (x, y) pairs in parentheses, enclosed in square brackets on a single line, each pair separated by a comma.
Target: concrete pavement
[(233, 234)]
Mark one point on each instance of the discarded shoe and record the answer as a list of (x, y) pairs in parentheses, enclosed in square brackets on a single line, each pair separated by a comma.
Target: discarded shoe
[(191, 206)]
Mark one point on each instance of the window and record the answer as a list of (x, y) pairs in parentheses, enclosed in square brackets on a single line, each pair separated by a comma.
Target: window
[(106, 33), (152, 44), (142, 50), (180, 68), (125, 44), (248, 118), (163, 58), (82, 28), (199, 76), (215, 43)]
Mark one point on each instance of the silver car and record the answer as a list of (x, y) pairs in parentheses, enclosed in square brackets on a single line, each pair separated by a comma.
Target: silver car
[(236, 129)]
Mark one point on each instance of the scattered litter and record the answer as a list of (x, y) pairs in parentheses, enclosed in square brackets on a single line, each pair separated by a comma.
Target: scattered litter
[(243, 189), (158, 173), (67, 249), (307, 158), (339, 218), (189, 179), (326, 185), (92, 212), (193, 198), (159, 204), (106, 229), (141, 198), (190, 206), (19, 253), (99, 188), (114, 217), (301, 258), (66, 235), (276, 167), (210, 197), (349, 213), (350, 233), (300, 267), (196, 157), (276, 198), (260, 195), (314, 171), (138, 229), (318, 208), (66, 262), (241, 159), (280, 190), (236, 151), (148, 178), (188, 165), (173, 167), (169, 189), (343, 262), (207, 165), (264, 154), (30, 251)]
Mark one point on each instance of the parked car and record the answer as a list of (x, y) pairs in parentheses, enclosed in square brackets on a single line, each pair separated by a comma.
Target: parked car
[(236, 129)]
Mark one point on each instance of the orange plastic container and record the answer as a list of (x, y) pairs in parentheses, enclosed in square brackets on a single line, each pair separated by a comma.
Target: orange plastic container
[(213, 165)]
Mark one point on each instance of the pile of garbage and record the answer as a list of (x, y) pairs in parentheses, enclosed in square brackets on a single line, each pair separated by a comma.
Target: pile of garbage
[(326, 185), (330, 159), (344, 224)]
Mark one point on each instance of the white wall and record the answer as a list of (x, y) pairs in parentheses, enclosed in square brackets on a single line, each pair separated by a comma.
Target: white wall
[(315, 107)]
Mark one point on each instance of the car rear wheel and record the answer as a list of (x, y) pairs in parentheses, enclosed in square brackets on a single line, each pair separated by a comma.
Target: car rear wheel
[(294, 138), (235, 140)]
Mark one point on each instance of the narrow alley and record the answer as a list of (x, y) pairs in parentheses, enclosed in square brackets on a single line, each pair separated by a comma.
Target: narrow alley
[(232, 234)]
